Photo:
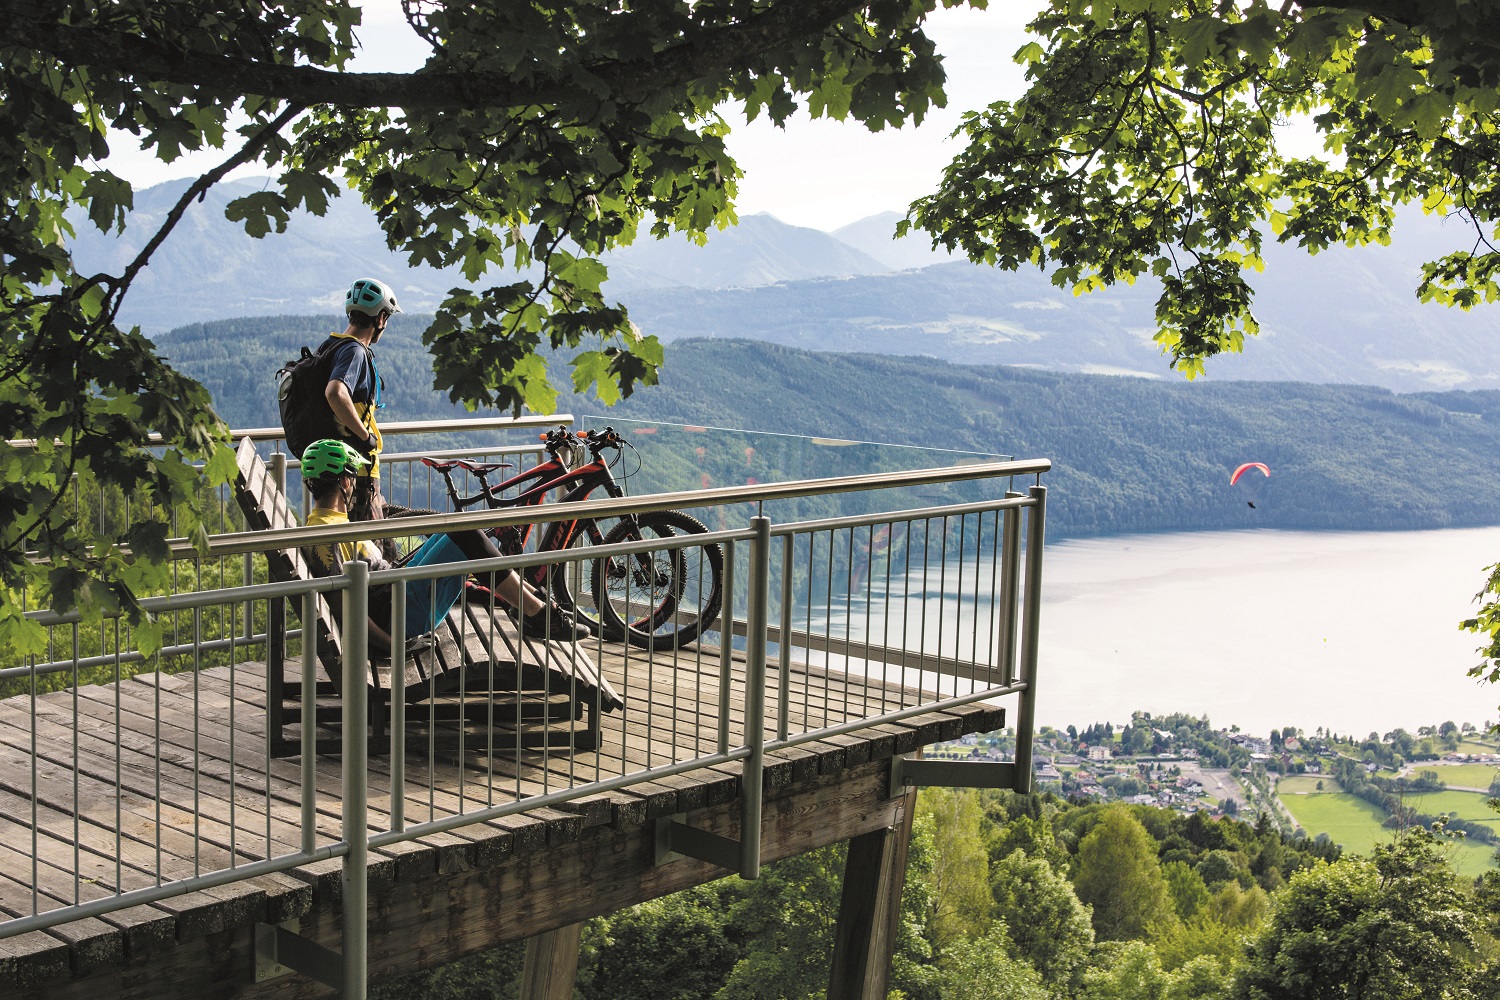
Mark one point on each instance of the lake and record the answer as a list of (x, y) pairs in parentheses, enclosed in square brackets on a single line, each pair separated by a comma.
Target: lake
[(1351, 630)]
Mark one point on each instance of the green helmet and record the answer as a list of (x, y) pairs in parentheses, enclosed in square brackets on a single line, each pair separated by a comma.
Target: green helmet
[(370, 297), (330, 458)]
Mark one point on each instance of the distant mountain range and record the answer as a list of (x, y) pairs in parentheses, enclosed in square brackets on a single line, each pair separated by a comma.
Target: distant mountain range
[(1345, 316)]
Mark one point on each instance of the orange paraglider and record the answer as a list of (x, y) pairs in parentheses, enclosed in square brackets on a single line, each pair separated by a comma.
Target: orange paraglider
[(1235, 476)]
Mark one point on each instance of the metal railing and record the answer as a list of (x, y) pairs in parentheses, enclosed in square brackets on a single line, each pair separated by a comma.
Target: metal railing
[(829, 625)]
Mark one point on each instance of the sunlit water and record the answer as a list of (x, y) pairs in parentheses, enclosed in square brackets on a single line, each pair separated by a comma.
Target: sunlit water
[(1357, 631)]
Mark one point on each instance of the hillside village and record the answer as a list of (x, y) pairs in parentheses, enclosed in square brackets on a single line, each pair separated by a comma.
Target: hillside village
[(1180, 762)]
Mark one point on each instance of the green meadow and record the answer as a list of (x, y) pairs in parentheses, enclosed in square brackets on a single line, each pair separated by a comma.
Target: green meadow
[(1464, 775), (1356, 824), (1471, 806)]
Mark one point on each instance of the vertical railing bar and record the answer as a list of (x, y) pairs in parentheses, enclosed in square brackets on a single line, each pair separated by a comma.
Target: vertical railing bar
[(232, 609), (1030, 633), (432, 760), (974, 646), (268, 758), (77, 805), (726, 622), (784, 651), (848, 614), (547, 619), (249, 577), (885, 620), (1010, 592), (591, 712), (490, 644), (682, 554), (869, 611), (35, 872), (752, 775), (197, 755), (997, 569), (398, 706), (156, 726), (958, 588), (726, 645), (650, 595), (119, 775), (356, 829), (943, 604), (309, 732), (922, 618), (828, 631)]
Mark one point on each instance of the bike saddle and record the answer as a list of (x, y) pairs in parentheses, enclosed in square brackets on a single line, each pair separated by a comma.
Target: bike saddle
[(478, 468)]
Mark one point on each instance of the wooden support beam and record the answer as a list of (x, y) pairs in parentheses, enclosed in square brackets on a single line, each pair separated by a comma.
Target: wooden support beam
[(870, 910), (445, 916), (551, 964)]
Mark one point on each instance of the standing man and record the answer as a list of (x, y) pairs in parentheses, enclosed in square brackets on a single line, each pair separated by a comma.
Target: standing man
[(354, 386)]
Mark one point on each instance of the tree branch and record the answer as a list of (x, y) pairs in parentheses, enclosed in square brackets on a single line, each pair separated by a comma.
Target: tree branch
[(147, 59), (196, 190)]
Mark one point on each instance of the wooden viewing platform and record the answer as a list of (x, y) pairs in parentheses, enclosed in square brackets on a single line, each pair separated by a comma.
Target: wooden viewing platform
[(178, 764)]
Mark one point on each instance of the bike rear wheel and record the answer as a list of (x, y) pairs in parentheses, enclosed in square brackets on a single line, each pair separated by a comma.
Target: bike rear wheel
[(664, 598)]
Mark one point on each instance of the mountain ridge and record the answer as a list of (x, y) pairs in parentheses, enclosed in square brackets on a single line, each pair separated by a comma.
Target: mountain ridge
[(1130, 454), (1343, 316)]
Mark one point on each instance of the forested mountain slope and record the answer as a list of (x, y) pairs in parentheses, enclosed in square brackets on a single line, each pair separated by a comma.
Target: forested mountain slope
[(1130, 454)]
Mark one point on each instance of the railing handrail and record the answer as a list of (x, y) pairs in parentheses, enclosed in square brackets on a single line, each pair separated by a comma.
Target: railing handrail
[(235, 543), (393, 427)]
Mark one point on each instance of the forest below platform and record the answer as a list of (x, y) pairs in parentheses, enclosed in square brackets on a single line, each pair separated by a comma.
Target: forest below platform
[(1011, 897), (1129, 454)]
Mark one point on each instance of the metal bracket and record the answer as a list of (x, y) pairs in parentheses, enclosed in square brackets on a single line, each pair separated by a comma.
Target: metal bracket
[(280, 950), (676, 840), (910, 770)]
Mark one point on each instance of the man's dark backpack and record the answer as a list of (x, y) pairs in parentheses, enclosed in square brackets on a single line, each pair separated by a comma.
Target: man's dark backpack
[(305, 414)]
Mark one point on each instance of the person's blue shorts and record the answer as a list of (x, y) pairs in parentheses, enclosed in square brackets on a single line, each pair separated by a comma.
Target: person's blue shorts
[(428, 601)]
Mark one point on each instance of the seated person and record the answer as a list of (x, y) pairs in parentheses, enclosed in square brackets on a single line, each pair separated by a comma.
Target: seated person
[(328, 472)]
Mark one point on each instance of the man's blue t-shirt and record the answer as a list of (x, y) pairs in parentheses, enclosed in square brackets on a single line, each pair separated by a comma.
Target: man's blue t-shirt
[(354, 365)]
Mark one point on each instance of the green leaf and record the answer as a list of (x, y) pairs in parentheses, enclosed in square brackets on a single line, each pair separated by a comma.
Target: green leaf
[(148, 636), (23, 636)]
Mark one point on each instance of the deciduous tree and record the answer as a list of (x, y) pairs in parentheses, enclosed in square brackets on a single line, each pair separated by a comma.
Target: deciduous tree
[(1118, 875), (1045, 922), (1393, 926), (538, 134), (958, 885)]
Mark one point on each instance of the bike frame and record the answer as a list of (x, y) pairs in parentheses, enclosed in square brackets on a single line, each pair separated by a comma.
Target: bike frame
[(579, 484)]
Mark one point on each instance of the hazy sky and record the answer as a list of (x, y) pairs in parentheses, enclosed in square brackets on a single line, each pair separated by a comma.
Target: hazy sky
[(819, 174)]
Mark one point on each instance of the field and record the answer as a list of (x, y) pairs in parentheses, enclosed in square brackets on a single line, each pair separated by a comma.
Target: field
[(1463, 775), (1465, 805), (1304, 784), (1356, 824)]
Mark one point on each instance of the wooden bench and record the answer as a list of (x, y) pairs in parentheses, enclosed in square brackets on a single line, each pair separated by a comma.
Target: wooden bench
[(476, 684)]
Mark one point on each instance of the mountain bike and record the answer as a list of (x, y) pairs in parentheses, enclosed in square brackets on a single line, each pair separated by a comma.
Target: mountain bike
[(660, 599)]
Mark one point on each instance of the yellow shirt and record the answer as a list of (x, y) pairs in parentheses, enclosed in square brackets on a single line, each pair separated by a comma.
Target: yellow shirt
[(322, 556)]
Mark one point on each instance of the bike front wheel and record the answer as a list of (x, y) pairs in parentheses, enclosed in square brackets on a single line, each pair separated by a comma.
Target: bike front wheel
[(663, 598)]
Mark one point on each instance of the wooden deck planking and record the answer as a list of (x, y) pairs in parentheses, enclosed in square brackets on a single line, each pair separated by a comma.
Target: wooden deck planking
[(154, 728)]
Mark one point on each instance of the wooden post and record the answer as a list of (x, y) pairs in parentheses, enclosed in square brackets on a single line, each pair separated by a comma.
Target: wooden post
[(551, 964), (870, 910)]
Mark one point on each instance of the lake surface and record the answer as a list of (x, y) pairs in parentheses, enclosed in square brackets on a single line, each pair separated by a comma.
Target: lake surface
[(1357, 631)]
